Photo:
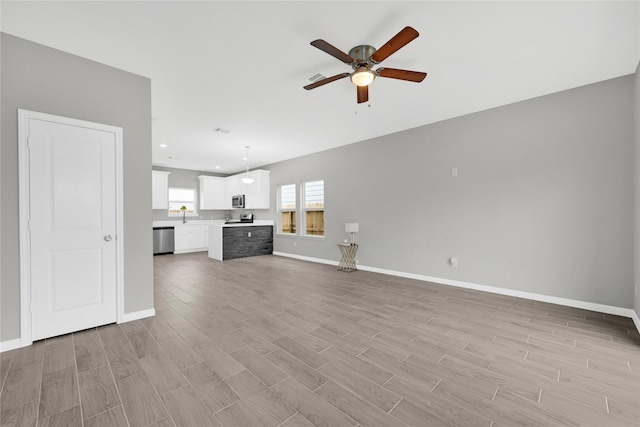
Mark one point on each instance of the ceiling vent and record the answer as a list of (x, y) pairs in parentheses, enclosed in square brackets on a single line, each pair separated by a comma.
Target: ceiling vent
[(316, 77)]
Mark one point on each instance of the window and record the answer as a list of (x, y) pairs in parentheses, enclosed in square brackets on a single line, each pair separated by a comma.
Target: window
[(313, 208), (179, 197), (287, 208)]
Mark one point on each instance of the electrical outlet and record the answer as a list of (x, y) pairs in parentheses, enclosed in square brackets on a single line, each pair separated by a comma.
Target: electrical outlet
[(454, 172), (357, 261), (453, 262), (295, 243), (249, 234)]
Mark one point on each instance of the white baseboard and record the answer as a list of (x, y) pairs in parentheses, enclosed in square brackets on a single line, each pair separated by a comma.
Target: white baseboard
[(306, 258), (602, 308), (135, 315), (128, 317), (636, 319), (188, 251), (10, 345)]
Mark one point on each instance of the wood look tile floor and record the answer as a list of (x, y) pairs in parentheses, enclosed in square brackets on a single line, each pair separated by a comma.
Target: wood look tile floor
[(271, 341)]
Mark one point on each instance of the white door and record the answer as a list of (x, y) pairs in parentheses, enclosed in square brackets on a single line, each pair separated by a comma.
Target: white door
[(72, 227)]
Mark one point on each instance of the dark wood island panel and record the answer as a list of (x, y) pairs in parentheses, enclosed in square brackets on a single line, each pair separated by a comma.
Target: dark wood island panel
[(240, 242)]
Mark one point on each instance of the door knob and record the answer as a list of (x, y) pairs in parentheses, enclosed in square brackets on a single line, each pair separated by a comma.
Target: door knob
[(107, 238)]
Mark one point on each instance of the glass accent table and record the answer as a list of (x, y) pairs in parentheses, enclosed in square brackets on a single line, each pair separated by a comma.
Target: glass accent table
[(348, 261)]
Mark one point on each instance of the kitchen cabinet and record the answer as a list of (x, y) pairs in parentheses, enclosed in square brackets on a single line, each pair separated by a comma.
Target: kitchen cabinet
[(257, 194), (216, 192), (160, 189), (191, 238), (213, 192), (240, 242), (232, 188)]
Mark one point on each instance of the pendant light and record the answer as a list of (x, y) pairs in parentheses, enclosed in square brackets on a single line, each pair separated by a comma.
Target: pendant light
[(247, 179)]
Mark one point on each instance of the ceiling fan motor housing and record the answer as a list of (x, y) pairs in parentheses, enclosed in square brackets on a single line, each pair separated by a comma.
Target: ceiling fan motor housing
[(362, 54)]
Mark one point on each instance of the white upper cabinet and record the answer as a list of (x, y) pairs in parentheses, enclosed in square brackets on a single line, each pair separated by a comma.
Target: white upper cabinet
[(213, 192), (232, 188), (160, 189), (257, 193), (216, 192)]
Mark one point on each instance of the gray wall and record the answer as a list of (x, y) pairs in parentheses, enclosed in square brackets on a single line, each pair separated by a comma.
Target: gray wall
[(636, 218), (543, 200), (35, 77)]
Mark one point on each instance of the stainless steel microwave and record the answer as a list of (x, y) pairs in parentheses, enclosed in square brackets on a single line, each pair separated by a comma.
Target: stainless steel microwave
[(237, 201)]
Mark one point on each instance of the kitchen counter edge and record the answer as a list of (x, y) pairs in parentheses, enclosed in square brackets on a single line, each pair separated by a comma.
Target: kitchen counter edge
[(219, 223)]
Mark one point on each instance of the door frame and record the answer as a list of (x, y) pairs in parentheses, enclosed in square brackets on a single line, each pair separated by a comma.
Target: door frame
[(24, 117)]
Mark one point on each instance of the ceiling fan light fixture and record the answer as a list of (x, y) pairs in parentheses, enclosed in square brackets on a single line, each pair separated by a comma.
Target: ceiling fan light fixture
[(362, 77)]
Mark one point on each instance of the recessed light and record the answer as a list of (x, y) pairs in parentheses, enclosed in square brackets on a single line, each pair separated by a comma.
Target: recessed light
[(163, 145), (217, 167)]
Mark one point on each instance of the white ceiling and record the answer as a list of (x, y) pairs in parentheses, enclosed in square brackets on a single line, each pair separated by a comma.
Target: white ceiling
[(241, 65)]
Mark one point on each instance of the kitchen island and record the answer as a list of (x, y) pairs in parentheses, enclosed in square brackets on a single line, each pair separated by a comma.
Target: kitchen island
[(238, 240)]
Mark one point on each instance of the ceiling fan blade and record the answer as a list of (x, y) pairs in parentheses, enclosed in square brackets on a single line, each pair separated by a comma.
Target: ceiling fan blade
[(394, 73), (332, 50), (326, 80), (363, 94), (401, 39)]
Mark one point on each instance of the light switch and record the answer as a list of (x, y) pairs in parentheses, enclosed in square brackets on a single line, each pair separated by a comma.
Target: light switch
[(249, 234), (454, 172)]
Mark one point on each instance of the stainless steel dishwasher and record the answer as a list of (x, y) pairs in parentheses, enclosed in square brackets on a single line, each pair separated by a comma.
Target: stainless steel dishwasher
[(163, 240)]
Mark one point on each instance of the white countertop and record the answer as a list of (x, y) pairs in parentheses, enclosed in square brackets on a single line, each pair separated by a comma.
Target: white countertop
[(245, 224), (215, 222)]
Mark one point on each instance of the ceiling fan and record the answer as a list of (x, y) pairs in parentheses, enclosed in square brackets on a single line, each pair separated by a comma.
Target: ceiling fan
[(364, 57)]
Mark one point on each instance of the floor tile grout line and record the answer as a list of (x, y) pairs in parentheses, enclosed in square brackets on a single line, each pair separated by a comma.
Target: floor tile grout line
[(75, 364), (105, 411), (149, 378), (113, 377), (240, 398), (275, 384), (4, 380), (495, 393), (394, 406), (230, 404), (297, 412), (41, 379), (390, 378), (322, 351)]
